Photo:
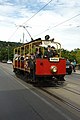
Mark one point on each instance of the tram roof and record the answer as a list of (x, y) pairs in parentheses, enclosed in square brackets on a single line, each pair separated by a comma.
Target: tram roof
[(35, 42)]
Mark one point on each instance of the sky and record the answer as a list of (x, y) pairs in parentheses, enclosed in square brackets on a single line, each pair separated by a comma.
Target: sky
[(58, 18)]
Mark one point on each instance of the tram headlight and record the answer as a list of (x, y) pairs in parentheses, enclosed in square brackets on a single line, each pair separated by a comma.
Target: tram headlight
[(53, 69)]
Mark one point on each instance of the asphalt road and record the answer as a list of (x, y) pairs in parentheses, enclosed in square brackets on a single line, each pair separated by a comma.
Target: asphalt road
[(18, 101)]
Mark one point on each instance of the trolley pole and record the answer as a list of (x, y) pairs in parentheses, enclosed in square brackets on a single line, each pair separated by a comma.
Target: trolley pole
[(27, 31)]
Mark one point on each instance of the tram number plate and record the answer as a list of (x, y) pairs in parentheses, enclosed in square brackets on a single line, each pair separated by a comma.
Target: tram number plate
[(54, 59)]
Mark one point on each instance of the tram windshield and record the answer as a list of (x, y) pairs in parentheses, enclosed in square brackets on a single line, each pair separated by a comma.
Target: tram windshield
[(52, 44)]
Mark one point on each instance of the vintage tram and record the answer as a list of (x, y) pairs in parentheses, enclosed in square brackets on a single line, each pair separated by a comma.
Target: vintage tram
[(38, 64)]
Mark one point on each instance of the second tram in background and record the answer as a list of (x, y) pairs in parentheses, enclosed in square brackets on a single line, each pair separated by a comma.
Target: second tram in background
[(40, 60)]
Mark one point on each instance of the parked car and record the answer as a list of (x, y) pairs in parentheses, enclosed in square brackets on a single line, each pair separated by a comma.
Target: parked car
[(68, 67), (9, 62)]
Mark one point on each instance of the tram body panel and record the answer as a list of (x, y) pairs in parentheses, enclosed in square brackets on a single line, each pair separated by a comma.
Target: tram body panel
[(43, 67)]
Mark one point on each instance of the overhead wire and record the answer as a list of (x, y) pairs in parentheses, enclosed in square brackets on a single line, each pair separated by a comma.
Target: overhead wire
[(58, 24), (47, 28), (13, 33), (38, 11), (67, 20)]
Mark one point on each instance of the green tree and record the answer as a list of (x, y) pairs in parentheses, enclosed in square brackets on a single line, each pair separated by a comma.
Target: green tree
[(6, 50), (78, 56)]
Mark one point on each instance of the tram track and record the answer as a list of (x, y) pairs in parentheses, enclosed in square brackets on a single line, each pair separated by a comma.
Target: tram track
[(72, 87), (73, 90), (64, 100), (72, 82), (61, 99), (69, 79)]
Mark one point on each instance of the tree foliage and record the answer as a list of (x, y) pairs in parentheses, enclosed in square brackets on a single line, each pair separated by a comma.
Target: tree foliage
[(6, 50), (78, 56), (72, 55)]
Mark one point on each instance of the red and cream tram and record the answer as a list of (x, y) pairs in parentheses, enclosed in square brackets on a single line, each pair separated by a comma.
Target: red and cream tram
[(35, 61)]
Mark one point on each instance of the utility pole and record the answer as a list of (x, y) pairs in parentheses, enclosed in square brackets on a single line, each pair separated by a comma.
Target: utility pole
[(23, 38), (8, 51)]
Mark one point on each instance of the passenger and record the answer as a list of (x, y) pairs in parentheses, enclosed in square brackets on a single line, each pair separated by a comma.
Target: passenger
[(31, 64), (19, 57), (48, 52), (26, 57), (16, 56), (38, 53), (54, 52), (31, 61), (32, 56)]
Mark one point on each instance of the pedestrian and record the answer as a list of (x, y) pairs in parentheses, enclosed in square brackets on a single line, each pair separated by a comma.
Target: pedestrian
[(74, 65), (38, 53), (68, 61)]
